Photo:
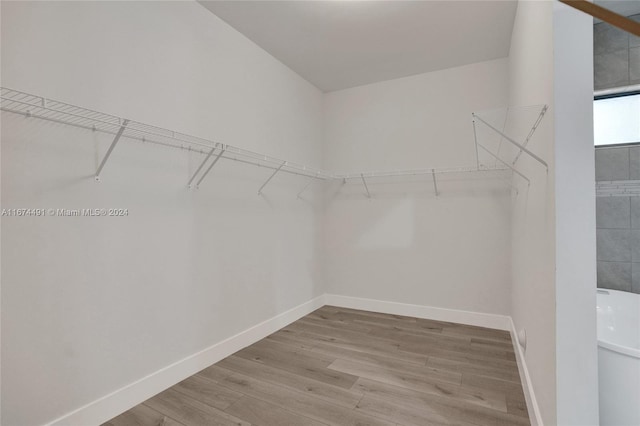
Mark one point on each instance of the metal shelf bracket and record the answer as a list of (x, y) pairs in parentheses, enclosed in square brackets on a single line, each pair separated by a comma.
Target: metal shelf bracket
[(435, 184), (531, 132), (206, 172), (111, 147), (201, 165), (475, 138), (284, 163), (364, 182), (507, 138), (305, 188)]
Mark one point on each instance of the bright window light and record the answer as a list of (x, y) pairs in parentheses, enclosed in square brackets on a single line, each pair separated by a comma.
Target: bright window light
[(616, 120)]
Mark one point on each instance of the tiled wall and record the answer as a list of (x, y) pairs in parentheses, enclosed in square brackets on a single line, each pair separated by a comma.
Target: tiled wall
[(618, 221), (616, 60)]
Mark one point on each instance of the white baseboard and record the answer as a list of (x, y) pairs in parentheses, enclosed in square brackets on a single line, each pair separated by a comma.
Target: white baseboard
[(500, 322), (109, 406), (532, 404)]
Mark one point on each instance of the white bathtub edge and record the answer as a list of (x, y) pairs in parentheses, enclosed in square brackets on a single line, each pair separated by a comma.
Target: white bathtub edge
[(532, 404), (623, 350)]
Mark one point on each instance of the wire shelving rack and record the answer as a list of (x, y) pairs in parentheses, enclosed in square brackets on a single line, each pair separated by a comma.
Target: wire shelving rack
[(29, 105)]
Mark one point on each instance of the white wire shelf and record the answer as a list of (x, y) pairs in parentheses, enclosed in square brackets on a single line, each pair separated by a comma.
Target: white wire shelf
[(416, 172), (431, 172), (29, 105), (34, 106), (514, 119)]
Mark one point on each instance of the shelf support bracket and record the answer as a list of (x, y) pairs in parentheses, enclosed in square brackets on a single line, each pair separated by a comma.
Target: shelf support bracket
[(201, 165), (364, 182), (206, 172), (435, 184), (522, 148), (110, 150), (475, 138), (533, 129), (305, 187), (271, 177), (513, 169)]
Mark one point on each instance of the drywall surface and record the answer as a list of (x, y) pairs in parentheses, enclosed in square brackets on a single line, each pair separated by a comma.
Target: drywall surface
[(576, 340), (91, 304), (533, 221), (404, 244), (554, 249)]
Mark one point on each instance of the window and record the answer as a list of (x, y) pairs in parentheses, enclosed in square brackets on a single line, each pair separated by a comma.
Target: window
[(616, 120)]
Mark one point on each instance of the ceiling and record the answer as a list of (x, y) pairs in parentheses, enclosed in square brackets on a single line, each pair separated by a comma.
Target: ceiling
[(341, 44)]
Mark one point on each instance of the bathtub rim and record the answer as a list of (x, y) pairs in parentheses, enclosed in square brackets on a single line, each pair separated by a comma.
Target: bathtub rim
[(614, 347), (623, 350)]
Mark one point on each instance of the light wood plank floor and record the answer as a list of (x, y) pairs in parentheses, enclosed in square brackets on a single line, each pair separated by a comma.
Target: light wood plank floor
[(340, 366)]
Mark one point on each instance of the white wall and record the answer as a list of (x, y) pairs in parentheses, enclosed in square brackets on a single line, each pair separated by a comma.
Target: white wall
[(576, 340), (87, 309), (92, 304), (553, 270), (404, 244), (533, 222)]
